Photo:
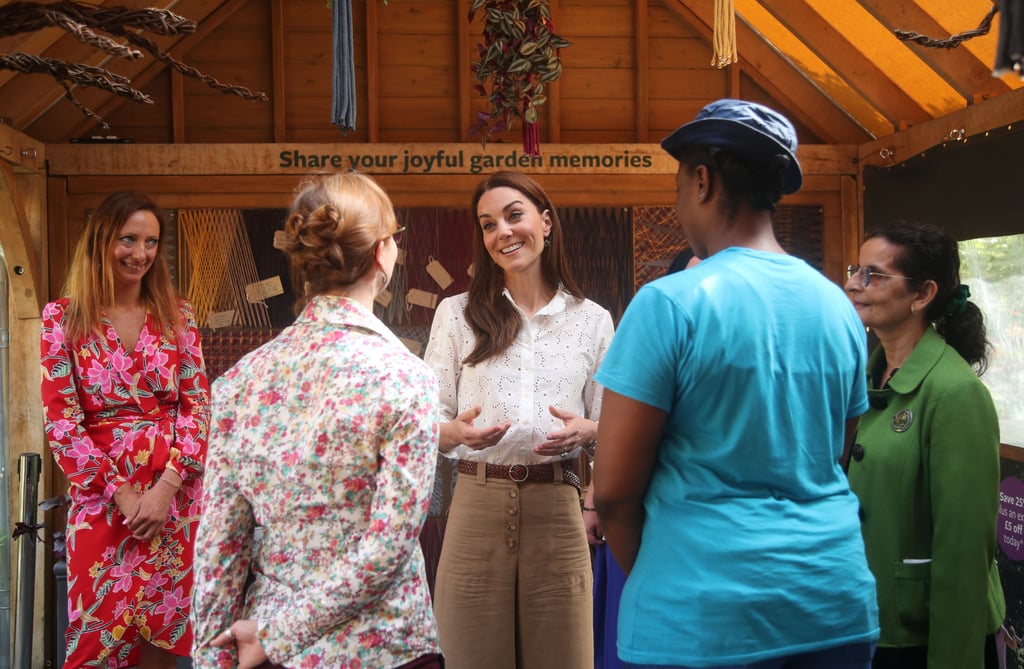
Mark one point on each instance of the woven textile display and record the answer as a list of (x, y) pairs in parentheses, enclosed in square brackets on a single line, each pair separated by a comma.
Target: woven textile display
[(657, 238), (597, 244), (799, 229), (217, 264), (224, 347)]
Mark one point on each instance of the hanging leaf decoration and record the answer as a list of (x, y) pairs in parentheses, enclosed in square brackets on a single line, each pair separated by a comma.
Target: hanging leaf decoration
[(518, 56)]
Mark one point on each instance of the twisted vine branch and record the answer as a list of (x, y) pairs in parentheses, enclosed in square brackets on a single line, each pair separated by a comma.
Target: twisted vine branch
[(83, 21)]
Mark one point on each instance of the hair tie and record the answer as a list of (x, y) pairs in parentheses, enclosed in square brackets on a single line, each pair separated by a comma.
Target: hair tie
[(958, 302)]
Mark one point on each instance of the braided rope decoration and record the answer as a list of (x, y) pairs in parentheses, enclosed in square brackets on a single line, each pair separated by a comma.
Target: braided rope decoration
[(83, 21), (952, 41)]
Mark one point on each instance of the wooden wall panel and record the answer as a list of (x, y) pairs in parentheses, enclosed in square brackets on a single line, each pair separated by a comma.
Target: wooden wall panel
[(582, 18), (663, 23), (598, 51)]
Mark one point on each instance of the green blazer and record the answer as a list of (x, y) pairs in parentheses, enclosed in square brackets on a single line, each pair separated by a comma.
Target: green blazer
[(925, 466)]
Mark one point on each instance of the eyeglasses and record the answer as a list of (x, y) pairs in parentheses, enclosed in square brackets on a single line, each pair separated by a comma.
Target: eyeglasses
[(396, 235), (865, 274)]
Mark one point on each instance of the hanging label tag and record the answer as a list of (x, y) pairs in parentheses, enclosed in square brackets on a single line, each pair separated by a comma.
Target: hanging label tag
[(279, 239), (440, 275), (421, 298), (220, 319), (261, 290), (400, 260), (384, 298)]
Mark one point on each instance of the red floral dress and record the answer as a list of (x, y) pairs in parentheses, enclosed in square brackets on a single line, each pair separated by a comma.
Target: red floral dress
[(116, 417)]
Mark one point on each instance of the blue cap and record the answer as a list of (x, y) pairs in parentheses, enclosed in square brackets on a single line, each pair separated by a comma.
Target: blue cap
[(747, 128)]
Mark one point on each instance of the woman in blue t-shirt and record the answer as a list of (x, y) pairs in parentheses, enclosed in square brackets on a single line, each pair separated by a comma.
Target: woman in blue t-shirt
[(732, 386)]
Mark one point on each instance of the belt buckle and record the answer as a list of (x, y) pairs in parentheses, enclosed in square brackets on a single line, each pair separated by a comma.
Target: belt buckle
[(512, 476)]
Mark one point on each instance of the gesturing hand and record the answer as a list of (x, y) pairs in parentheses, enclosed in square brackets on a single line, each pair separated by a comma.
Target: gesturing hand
[(460, 430)]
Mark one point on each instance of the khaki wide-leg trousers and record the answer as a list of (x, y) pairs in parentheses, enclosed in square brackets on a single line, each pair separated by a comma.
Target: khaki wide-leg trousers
[(514, 585)]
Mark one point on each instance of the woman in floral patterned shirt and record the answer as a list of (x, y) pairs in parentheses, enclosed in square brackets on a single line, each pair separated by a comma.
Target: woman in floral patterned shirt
[(321, 464), (127, 406)]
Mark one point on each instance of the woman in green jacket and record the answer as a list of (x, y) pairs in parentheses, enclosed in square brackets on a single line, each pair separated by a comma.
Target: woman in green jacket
[(925, 461)]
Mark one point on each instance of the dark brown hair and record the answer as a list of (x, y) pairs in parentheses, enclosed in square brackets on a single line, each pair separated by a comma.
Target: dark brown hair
[(927, 253), (493, 319)]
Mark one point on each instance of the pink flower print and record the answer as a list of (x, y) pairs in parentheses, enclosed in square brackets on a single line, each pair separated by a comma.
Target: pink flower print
[(189, 343), (156, 584), (90, 506), (159, 363), (83, 451), (123, 572), (121, 364), (61, 428), (312, 661), (120, 608), (56, 339), (119, 446), (153, 432), (51, 310), (148, 342), (171, 603), (99, 375), (188, 445)]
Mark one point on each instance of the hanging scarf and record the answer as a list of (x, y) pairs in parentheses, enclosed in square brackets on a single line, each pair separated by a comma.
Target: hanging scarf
[(343, 106)]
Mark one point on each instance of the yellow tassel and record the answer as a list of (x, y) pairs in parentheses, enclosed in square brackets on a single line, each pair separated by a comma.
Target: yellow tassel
[(724, 39)]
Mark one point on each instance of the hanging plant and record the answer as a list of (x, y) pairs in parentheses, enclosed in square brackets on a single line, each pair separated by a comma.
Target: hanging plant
[(518, 56)]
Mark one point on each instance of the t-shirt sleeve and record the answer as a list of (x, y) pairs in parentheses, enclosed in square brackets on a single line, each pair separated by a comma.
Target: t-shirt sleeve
[(643, 358)]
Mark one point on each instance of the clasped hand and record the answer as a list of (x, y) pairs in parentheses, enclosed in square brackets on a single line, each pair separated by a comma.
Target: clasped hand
[(145, 514)]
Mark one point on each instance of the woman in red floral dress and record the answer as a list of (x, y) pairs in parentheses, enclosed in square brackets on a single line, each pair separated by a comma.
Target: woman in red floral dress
[(127, 409)]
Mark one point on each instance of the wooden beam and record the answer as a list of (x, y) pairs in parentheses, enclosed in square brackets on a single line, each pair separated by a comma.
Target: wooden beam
[(372, 72), (1004, 110), (969, 76), (277, 51), (15, 238), (777, 76), (205, 28), (846, 59), (20, 151), (642, 74), (554, 91), (177, 107), (462, 62)]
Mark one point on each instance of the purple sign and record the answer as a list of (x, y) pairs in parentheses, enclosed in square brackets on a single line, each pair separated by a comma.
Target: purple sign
[(1011, 518)]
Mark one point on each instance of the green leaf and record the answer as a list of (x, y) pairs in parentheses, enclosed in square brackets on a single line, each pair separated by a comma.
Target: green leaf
[(520, 65)]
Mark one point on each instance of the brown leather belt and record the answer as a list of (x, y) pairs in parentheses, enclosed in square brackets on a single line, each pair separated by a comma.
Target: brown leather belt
[(520, 473)]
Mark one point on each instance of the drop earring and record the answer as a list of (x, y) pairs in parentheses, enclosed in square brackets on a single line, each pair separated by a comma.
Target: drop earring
[(547, 242)]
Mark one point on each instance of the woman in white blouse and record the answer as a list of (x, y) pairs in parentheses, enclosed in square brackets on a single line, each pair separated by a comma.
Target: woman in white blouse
[(321, 459), (515, 357)]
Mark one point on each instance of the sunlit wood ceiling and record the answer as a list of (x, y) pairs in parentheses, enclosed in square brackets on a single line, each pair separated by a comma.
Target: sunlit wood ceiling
[(836, 64)]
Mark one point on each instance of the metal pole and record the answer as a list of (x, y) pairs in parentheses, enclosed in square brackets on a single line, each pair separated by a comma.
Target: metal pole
[(29, 465), (6, 546)]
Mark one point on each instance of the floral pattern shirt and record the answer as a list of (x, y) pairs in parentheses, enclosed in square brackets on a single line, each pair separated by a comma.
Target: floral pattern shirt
[(319, 474)]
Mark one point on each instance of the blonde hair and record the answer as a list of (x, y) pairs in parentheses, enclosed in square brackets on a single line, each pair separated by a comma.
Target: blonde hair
[(89, 285), (332, 231)]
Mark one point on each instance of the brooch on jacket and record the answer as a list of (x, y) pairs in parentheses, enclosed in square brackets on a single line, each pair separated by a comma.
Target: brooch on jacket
[(902, 420)]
